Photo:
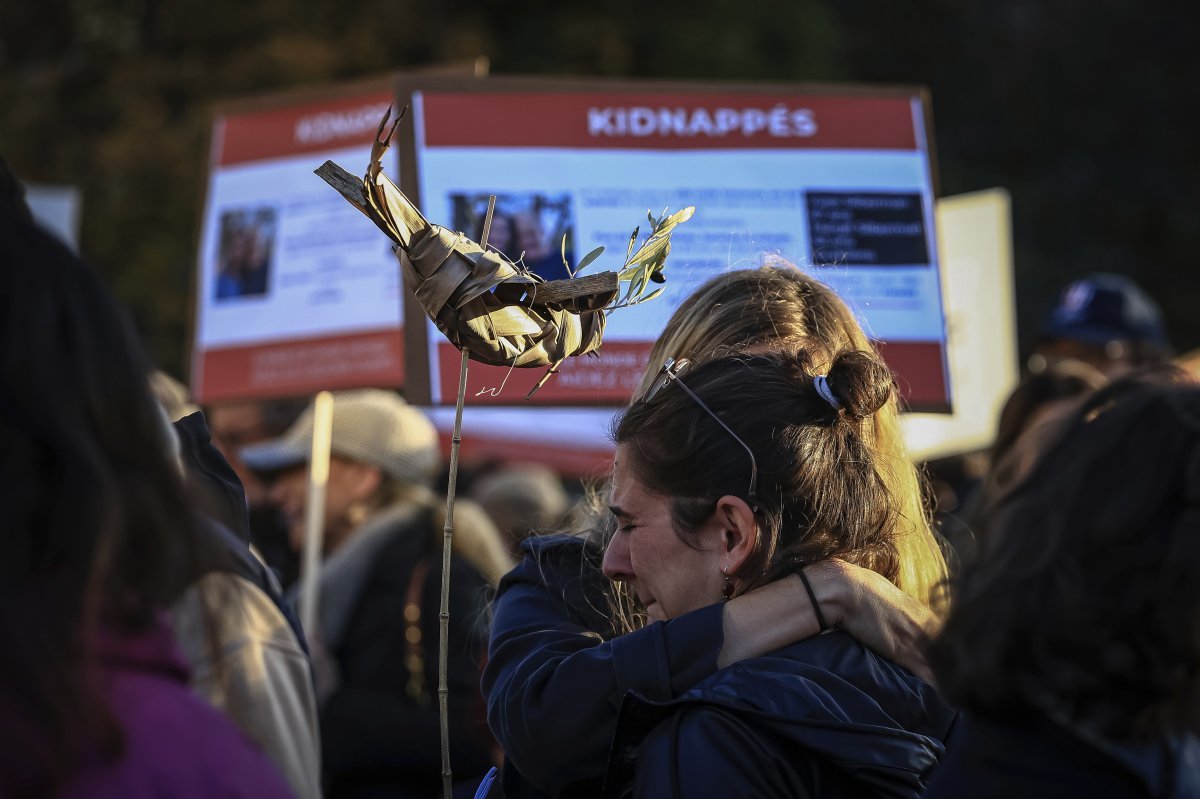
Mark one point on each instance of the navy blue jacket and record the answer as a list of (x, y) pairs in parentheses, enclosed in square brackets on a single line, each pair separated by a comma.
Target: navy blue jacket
[(555, 675), (556, 680), (1037, 758), (824, 717)]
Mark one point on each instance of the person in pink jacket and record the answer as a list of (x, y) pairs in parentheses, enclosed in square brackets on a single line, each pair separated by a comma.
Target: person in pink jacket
[(97, 540)]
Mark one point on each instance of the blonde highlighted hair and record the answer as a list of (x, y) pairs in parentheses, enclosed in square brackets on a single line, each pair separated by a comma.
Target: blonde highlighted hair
[(780, 308)]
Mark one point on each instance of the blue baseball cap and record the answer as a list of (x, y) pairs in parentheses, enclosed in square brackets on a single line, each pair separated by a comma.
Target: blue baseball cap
[(1105, 307)]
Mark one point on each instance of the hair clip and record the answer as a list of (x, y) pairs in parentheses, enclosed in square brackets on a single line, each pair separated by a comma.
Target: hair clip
[(821, 384)]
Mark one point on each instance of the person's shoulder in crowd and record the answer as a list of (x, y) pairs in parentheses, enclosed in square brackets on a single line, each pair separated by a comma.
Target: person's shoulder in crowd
[(175, 744)]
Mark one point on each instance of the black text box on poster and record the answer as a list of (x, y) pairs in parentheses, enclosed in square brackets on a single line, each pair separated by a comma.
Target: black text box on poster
[(867, 229)]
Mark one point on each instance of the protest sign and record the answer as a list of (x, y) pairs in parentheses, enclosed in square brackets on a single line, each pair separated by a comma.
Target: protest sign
[(839, 181), (975, 238), (295, 291)]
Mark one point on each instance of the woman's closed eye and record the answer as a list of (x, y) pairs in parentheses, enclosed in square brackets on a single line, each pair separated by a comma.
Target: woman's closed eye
[(625, 523)]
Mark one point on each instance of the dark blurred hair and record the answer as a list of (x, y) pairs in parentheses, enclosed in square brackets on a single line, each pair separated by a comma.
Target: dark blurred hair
[(96, 531), (1085, 602), (12, 194), (1029, 424), (820, 494), (1063, 380)]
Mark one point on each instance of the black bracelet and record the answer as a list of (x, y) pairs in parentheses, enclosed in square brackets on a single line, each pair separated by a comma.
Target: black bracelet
[(812, 596)]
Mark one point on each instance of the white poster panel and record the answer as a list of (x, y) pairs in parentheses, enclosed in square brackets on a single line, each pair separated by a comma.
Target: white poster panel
[(975, 231)]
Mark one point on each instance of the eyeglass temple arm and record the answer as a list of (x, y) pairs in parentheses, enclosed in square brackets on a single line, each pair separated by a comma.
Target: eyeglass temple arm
[(736, 437)]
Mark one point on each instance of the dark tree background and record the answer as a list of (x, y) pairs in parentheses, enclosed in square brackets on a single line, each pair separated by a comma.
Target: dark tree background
[(1077, 108)]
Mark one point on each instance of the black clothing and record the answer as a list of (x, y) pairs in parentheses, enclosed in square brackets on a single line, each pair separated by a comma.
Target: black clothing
[(379, 729), (225, 526), (1040, 759)]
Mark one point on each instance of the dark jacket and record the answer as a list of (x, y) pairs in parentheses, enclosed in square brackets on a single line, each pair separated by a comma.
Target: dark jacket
[(260, 675), (556, 688), (215, 486), (379, 729), (1039, 759), (824, 717), (554, 682)]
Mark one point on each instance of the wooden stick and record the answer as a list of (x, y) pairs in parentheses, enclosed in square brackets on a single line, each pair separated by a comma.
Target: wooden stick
[(556, 291), (444, 615), (314, 512), (447, 549), (346, 184)]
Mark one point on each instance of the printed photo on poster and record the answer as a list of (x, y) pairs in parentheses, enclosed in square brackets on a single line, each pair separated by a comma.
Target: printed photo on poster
[(247, 244), (529, 226)]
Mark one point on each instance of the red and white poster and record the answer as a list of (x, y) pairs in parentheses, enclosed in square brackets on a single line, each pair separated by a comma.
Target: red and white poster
[(296, 290), (839, 184)]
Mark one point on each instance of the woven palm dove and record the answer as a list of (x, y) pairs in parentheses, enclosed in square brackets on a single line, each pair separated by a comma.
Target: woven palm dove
[(495, 309)]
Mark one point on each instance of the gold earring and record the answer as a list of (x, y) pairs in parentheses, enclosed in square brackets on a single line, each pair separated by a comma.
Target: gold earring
[(727, 591), (356, 514)]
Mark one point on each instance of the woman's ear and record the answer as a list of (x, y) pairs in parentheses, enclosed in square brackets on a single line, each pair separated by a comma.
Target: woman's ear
[(739, 533)]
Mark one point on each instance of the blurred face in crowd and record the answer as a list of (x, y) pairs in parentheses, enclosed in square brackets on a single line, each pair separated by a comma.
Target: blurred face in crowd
[(531, 239), (500, 235), (347, 494), (669, 576), (1113, 360), (235, 425)]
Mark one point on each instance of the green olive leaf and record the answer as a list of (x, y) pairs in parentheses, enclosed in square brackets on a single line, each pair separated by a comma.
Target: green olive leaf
[(587, 259)]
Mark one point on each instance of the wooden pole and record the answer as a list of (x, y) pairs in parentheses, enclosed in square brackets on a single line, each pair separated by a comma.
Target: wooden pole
[(447, 548), (314, 511)]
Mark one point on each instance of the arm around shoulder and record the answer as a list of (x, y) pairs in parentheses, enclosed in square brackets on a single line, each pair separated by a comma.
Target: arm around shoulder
[(554, 684), (857, 600)]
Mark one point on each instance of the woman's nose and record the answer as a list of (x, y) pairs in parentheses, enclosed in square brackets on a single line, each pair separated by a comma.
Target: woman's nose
[(617, 565)]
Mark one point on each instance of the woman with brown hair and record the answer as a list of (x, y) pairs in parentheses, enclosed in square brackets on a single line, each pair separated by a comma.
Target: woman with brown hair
[(778, 309), (734, 475)]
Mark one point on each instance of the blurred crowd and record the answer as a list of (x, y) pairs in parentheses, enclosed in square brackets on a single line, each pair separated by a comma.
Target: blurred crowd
[(767, 597)]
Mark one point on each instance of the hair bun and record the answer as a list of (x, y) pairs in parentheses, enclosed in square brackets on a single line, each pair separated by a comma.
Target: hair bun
[(860, 382)]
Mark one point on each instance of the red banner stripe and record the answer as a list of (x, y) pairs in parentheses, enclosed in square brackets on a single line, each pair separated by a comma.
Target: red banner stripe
[(920, 368), (668, 121), (610, 379), (607, 379), (300, 366), (298, 129)]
